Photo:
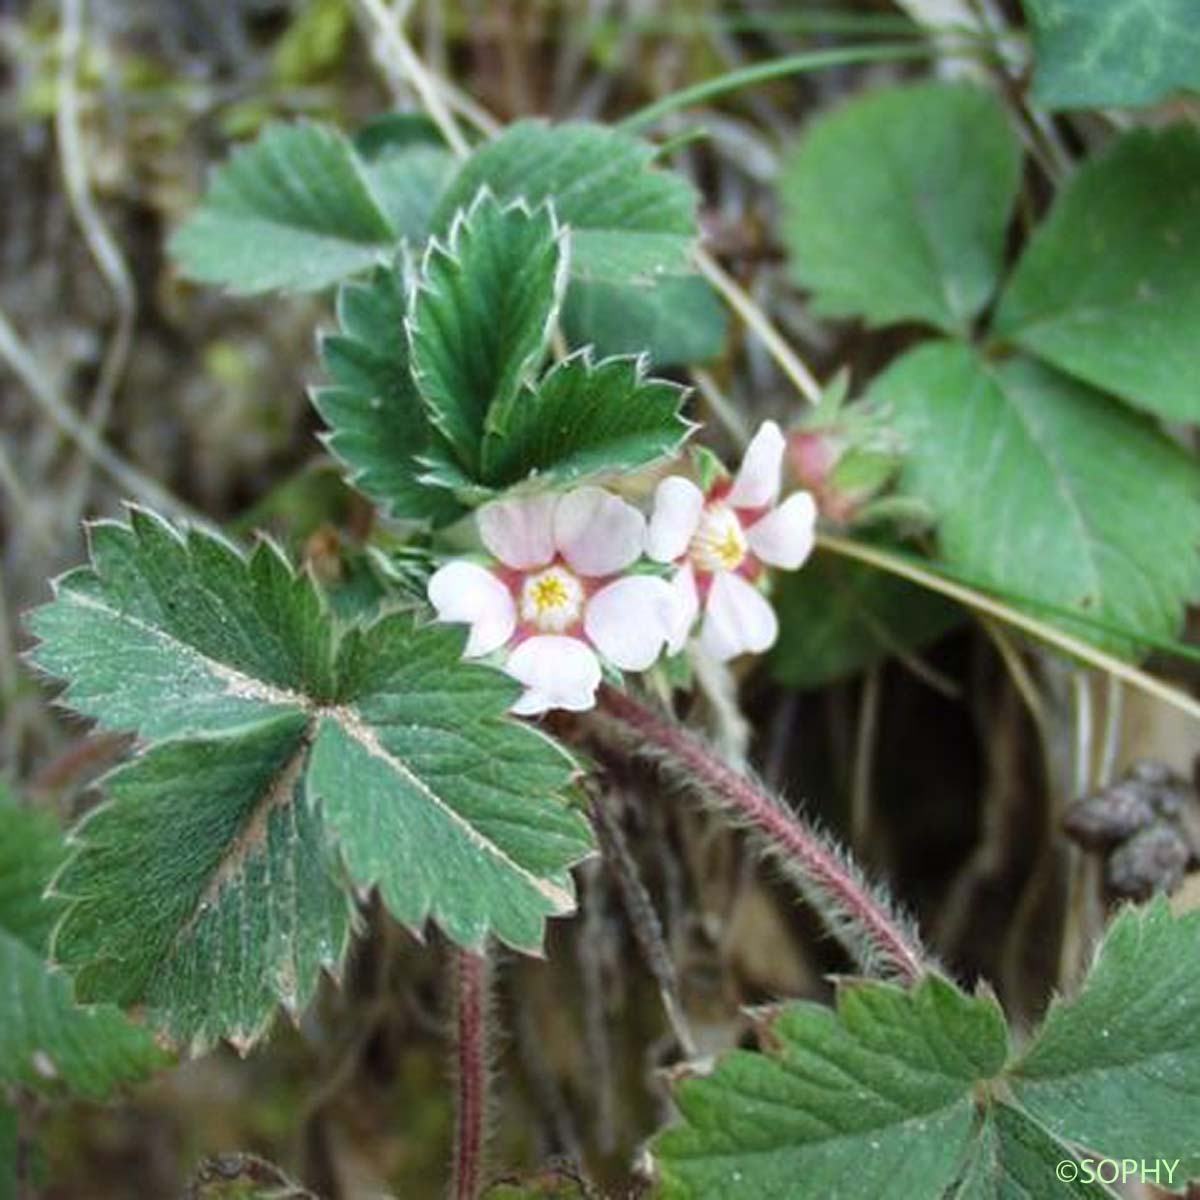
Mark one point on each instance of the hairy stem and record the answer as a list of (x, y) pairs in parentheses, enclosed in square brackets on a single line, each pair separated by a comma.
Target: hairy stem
[(471, 972), (861, 918)]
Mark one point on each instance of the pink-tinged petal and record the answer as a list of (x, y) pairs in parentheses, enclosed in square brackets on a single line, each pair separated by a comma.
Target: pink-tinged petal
[(558, 672), (784, 537), (467, 593), (678, 503), (761, 475), (630, 620), (520, 532), (597, 532), (738, 619), (687, 605)]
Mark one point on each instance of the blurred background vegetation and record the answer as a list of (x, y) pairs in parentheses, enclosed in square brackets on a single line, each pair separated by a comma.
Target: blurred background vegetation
[(118, 382)]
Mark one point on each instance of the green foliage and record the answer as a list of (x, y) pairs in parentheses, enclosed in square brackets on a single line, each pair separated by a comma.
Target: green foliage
[(1109, 286), (48, 1042), (676, 320), (875, 1099), (1117, 1068), (377, 421), (584, 418), (459, 413), (838, 617), (203, 889), (480, 319), (296, 209), (1014, 1158), (628, 221), (210, 887), (1046, 487), (453, 810), (1105, 53), (909, 1093), (9, 1134), (895, 205)]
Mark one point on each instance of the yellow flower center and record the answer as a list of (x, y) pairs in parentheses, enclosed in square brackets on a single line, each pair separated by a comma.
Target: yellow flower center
[(551, 600), (719, 543)]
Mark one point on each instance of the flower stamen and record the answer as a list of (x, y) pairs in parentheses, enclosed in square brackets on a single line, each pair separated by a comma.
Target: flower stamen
[(719, 543), (552, 600)]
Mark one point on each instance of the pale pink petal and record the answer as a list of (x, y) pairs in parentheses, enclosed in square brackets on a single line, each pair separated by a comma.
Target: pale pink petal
[(687, 605), (520, 532), (630, 620), (738, 619), (597, 532), (467, 593), (558, 672), (677, 506), (784, 537), (758, 482)]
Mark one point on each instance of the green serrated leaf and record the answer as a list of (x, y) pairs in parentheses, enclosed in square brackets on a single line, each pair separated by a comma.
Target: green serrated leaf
[(628, 221), (377, 423), (171, 634), (480, 318), (675, 321), (895, 205), (450, 808), (1117, 1068), (873, 1100), (47, 1042), (1109, 287), (837, 618), (1047, 489), (1014, 1158), (203, 889), (294, 210), (1102, 53), (584, 418), (207, 888)]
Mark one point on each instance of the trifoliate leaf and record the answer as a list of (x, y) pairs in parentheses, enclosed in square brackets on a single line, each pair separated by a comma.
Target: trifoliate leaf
[(838, 617), (294, 210), (1108, 288), (481, 317), (451, 809), (628, 221), (203, 889), (584, 418), (874, 1100), (1046, 490), (377, 422), (895, 205), (208, 889), (1104, 53), (674, 321), (1117, 1068), (1014, 1158), (47, 1041)]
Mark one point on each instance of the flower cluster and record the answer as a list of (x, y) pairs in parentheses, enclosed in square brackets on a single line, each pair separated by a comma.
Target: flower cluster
[(569, 584)]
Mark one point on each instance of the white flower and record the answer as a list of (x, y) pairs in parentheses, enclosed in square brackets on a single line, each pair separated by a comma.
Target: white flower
[(557, 595), (723, 541)]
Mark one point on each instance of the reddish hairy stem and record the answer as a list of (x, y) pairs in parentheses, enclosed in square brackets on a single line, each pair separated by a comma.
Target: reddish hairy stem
[(787, 836), (470, 972)]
